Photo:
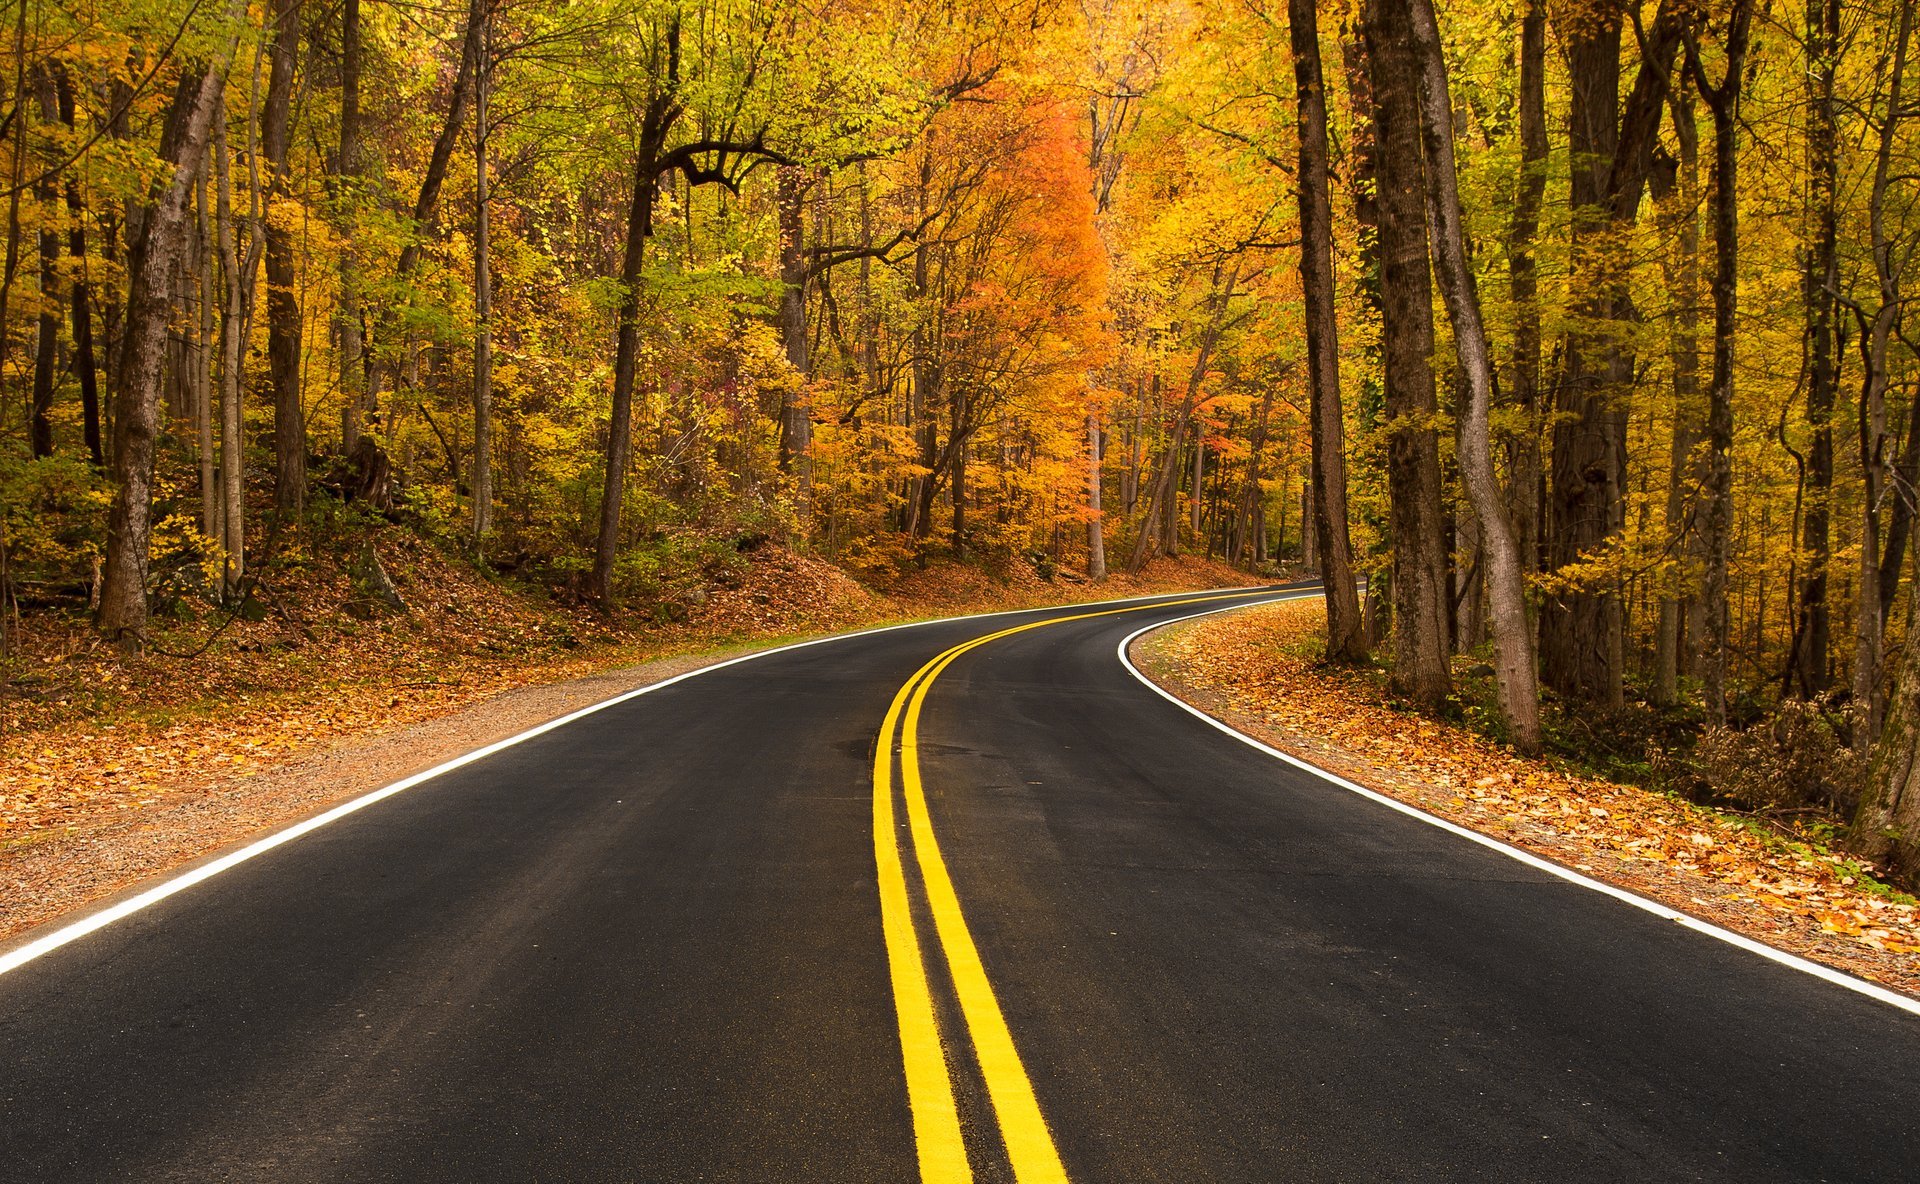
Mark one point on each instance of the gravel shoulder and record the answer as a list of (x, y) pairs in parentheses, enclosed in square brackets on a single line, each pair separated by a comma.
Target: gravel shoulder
[(53, 873)]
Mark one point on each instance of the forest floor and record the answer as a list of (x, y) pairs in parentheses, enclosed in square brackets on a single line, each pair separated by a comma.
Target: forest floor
[(1258, 671), (114, 770)]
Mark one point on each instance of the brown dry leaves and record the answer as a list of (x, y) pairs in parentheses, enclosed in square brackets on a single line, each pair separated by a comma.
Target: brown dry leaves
[(1252, 668)]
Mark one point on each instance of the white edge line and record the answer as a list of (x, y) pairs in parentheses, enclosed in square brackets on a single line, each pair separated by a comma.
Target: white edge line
[(1793, 961), (15, 958)]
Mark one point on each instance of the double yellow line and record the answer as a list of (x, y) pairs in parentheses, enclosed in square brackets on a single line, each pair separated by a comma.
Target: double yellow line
[(930, 1081)]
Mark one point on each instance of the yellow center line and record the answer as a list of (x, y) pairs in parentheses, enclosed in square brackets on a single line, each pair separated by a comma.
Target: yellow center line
[(930, 1095)]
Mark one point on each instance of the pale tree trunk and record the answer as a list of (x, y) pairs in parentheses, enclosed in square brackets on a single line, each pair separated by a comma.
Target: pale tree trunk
[(1724, 101), (482, 290), (1346, 636), (239, 269), (1420, 610), (203, 409), (1886, 829), (153, 260), (1514, 672), (1096, 526), (283, 305)]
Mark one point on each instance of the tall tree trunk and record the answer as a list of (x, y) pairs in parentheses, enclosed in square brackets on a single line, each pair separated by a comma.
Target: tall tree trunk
[(1611, 152), (796, 416), (1096, 525), (1523, 284), (1420, 608), (1514, 672), (346, 196), (1808, 660), (1886, 829), (1676, 188), (283, 305), (80, 294), (203, 405), (1346, 639), (1724, 101), (1875, 340), (46, 195), (154, 258), (626, 356), (482, 289), (662, 112), (239, 266)]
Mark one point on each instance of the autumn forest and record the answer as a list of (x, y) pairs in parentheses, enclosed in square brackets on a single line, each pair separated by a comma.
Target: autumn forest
[(1565, 339)]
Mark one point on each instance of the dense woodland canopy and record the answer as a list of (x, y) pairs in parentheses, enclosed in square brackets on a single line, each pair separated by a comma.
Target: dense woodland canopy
[(1575, 327)]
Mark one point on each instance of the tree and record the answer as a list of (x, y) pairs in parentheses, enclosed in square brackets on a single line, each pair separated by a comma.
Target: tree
[(1346, 642), (154, 257), (1506, 589), (1420, 609)]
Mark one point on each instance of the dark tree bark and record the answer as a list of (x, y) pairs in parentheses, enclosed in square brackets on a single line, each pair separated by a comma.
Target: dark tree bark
[(1724, 101), (1808, 660), (154, 258), (347, 168), (796, 416), (482, 288), (1420, 608), (79, 295), (1346, 639), (1523, 283), (1676, 188), (283, 305), (1875, 340), (1611, 152), (46, 194), (1514, 672)]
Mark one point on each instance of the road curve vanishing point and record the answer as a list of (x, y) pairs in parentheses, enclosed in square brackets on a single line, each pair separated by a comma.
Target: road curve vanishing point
[(698, 933)]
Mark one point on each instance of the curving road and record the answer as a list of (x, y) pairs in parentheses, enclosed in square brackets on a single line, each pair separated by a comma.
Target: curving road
[(1088, 938)]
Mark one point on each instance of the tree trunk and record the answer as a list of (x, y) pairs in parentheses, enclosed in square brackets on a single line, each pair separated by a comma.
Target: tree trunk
[(1610, 154), (1505, 577), (1724, 101), (80, 296), (346, 196), (239, 269), (1096, 526), (1875, 340), (1677, 191), (153, 259), (796, 416), (1346, 639), (1523, 283), (47, 336), (283, 305), (482, 290), (1807, 661), (1886, 828), (1420, 609)]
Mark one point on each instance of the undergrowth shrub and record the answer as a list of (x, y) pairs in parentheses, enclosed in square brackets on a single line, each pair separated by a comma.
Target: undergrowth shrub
[(1795, 760)]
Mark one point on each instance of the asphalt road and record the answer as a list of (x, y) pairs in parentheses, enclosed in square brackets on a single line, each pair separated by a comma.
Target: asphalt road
[(651, 945)]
